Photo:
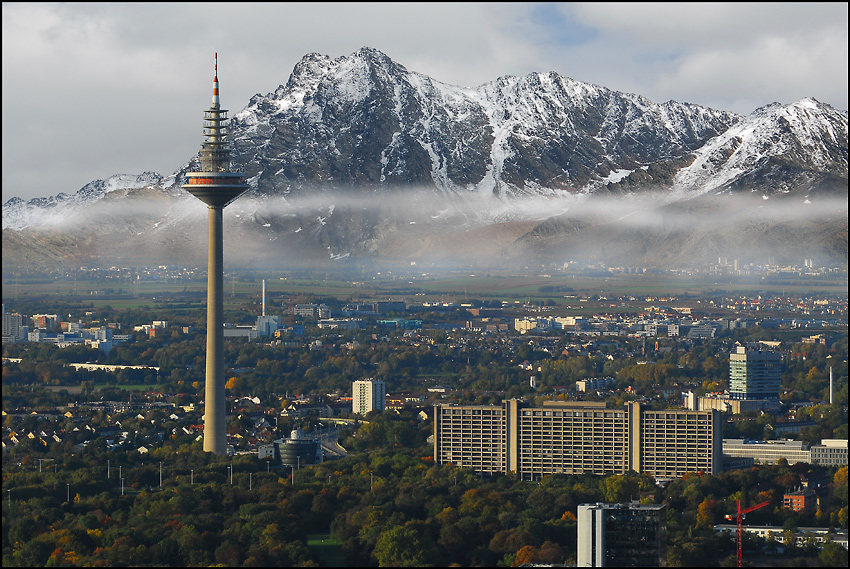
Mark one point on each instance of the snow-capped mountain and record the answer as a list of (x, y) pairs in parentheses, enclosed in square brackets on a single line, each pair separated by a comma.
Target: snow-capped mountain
[(56, 210), (782, 142), (364, 120), (358, 157)]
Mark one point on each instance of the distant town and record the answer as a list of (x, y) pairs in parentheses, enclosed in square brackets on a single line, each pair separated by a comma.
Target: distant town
[(559, 380)]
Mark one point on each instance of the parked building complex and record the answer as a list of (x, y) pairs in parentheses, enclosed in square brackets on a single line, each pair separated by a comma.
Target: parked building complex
[(577, 438)]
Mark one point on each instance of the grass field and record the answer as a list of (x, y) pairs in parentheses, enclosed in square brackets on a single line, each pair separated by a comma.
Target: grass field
[(329, 551), (455, 287)]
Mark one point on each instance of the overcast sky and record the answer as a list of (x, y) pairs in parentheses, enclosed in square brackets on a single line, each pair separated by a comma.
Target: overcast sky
[(92, 90)]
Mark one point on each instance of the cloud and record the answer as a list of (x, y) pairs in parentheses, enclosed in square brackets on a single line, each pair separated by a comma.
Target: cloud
[(90, 90), (731, 56)]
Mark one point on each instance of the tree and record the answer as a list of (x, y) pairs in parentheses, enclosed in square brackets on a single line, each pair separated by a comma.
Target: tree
[(706, 514), (621, 487), (549, 553), (832, 555), (403, 547)]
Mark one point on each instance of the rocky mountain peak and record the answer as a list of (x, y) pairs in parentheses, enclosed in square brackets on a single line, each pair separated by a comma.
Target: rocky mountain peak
[(512, 152), (799, 144)]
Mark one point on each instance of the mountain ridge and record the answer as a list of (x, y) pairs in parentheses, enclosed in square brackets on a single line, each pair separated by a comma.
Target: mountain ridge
[(337, 155)]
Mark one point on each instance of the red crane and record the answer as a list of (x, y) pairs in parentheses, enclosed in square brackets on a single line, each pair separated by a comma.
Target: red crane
[(740, 517)]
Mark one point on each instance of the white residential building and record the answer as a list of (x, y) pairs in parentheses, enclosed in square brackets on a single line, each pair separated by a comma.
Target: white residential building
[(368, 395)]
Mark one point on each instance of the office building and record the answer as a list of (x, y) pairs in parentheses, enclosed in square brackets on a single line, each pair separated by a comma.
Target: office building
[(830, 452), (297, 451), (472, 436), (675, 441), (593, 384), (620, 535), (768, 452), (368, 395), (754, 373), (725, 403), (577, 438), (13, 327)]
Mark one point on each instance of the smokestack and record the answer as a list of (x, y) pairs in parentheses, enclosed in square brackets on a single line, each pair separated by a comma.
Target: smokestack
[(264, 297), (830, 385)]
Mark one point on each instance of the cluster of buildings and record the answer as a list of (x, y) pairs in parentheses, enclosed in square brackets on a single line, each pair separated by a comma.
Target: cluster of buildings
[(71, 334), (577, 438), (830, 452), (50, 329), (635, 535), (586, 437), (669, 322)]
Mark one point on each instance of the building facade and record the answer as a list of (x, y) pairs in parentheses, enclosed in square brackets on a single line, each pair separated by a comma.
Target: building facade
[(801, 500), (830, 452), (577, 438), (368, 395), (473, 436), (620, 535), (754, 373), (675, 441)]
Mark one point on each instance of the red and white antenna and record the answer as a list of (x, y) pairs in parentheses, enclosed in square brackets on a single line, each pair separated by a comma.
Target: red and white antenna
[(215, 101)]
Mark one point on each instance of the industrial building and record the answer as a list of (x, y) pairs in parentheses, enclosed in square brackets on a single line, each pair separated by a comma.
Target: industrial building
[(298, 450), (620, 535), (577, 438)]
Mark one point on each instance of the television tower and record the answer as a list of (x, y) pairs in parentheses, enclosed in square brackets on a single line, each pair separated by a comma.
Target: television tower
[(216, 186)]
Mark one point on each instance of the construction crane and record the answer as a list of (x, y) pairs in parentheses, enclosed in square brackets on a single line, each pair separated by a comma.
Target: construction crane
[(740, 518)]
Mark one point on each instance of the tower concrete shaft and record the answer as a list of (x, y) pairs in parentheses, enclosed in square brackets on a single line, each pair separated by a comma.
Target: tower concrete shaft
[(215, 433), (216, 186)]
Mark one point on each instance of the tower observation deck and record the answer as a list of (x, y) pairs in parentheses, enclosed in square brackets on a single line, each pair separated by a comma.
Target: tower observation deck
[(216, 186)]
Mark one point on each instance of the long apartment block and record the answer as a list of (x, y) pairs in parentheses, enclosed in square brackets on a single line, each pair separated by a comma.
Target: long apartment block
[(577, 438)]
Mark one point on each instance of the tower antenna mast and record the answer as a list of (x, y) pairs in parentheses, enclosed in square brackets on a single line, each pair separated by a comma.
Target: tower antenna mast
[(215, 185)]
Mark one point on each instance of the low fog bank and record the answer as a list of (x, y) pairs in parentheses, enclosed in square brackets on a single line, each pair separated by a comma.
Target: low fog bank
[(441, 230)]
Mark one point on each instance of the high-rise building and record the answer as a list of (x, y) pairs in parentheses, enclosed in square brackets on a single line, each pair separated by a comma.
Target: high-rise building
[(620, 535), (368, 395), (672, 442), (216, 186), (754, 372), (13, 326), (577, 438)]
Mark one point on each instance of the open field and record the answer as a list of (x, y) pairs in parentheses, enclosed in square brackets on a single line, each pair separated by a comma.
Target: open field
[(455, 287), (329, 551)]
